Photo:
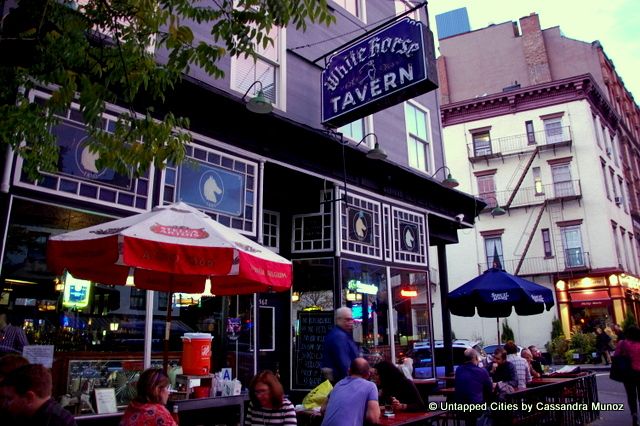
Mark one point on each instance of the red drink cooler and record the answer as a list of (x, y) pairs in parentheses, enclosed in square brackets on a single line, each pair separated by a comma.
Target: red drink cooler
[(196, 353)]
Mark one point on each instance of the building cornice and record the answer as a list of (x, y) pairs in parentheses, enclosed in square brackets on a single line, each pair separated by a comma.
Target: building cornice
[(582, 87)]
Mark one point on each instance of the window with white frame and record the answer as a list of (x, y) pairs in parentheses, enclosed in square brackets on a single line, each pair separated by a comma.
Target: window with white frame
[(404, 5), (553, 130), (623, 234), (481, 143), (354, 130), (572, 245), (266, 67), (271, 230), (546, 243), (596, 130), (493, 245), (614, 149), (616, 243), (603, 166), (355, 7), (621, 196), (418, 137), (562, 185)]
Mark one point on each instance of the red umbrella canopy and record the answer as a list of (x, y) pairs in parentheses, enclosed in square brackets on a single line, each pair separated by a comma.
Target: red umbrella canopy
[(172, 248)]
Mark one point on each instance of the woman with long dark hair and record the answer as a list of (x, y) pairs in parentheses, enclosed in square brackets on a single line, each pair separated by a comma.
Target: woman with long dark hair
[(148, 407), (396, 389), (268, 404), (630, 347)]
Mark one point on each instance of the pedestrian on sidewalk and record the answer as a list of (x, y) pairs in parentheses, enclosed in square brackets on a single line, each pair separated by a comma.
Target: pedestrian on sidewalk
[(603, 345), (630, 347)]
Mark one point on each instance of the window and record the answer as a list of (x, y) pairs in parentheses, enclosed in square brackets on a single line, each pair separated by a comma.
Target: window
[(352, 6), (562, 185), (266, 67), (623, 234), (546, 243), (487, 189), (481, 144), (537, 181), (621, 201), (614, 149), (617, 244), (353, 130), (403, 5), (614, 189), (553, 130), (531, 135), (595, 128), (271, 230), (418, 137), (137, 298), (572, 245), (604, 138), (493, 245), (604, 176)]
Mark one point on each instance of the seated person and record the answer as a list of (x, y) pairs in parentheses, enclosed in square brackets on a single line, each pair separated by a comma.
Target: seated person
[(502, 371), (526, 354), (26, 398), (354, 399), (149, 405), (396, 389), (473, 384), (537, 360)]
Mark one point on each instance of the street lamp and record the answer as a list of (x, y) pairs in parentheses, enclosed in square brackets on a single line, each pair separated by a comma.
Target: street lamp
[(448, 181), (497, 210)]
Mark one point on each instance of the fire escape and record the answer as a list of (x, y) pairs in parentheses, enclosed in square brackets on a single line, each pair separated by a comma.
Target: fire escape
[(548, 198)]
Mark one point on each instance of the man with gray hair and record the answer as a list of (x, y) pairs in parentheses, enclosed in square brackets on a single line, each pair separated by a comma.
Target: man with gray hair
[(473, 384), (339, 347)]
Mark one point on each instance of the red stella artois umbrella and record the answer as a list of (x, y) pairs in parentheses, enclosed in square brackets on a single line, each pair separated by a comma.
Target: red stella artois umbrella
[(172, 248)]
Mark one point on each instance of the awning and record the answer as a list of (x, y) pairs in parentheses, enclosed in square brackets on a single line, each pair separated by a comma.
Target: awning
[(590, 299)]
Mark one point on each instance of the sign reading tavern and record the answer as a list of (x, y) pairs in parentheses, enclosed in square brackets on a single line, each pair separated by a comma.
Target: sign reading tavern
[(387, 67)]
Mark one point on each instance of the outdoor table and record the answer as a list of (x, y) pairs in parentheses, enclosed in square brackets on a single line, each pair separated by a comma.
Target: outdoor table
[(539, 381), (314, 418), (412, 418)]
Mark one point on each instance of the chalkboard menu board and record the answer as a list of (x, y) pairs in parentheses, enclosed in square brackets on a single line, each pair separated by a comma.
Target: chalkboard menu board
[(313, 326)]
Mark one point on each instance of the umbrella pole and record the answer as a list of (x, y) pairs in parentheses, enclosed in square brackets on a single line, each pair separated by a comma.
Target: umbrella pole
[(498, 328), (167, 332), (148, 329)]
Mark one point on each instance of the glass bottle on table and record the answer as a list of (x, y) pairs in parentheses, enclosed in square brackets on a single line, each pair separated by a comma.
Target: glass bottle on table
[(174, 414)]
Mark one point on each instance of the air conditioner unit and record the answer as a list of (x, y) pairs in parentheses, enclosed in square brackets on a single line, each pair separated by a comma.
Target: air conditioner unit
[(618, 200)]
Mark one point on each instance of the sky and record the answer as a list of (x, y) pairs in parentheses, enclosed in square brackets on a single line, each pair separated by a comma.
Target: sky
[(615, 23)]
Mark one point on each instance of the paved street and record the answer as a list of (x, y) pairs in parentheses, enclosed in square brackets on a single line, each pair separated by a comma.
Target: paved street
[(610, 391)]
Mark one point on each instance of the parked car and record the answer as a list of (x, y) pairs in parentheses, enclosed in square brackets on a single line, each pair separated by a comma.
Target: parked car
[(490, 349), (423, 357)]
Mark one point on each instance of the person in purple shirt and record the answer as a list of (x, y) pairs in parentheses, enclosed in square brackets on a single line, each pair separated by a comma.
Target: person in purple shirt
[(354, 399), (12, 338), (473, 385), (339, 347)]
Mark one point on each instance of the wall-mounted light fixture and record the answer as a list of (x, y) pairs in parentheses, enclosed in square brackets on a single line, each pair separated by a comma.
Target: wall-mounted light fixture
[(497, 210), (259, 103), (113, 326), (376, 153), (448, 181)]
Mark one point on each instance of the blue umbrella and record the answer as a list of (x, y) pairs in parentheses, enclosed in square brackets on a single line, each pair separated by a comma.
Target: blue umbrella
[(496, 293)]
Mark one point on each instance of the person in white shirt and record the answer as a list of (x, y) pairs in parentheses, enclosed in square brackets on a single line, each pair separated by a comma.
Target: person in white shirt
[(521, 364)]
